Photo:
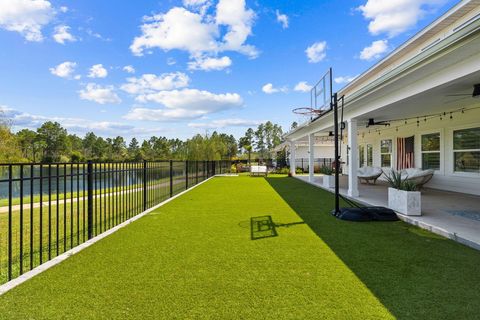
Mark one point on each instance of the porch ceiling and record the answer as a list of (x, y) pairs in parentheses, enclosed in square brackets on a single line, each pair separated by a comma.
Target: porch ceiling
[(435, 100)]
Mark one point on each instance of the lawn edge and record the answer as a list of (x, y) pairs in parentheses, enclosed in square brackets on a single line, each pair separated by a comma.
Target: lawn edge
[(4, 288)]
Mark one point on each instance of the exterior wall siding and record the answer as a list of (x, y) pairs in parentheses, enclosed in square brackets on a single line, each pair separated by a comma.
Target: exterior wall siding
[(445, 178)]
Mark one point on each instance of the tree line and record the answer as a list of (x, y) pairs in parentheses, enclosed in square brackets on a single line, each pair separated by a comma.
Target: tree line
[(52, 143)]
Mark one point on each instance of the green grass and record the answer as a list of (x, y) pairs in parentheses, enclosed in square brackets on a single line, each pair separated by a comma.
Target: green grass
[(194, 259), (72, 223)]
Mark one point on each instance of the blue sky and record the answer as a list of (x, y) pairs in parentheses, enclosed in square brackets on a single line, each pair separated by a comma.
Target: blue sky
[(176, 68)]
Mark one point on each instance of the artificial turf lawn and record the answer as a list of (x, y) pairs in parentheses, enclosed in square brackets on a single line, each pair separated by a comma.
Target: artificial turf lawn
[(194, 258)]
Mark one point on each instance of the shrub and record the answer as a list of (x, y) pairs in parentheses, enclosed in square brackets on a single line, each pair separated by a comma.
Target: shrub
[(326, 170), (284, 170), (233, 169), (298, 170)]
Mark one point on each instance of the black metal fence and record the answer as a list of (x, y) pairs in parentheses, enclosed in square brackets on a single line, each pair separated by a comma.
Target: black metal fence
[(47, 209), (302, 163)]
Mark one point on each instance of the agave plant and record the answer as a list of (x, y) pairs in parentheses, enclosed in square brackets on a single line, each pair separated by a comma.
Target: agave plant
[(395, 180)]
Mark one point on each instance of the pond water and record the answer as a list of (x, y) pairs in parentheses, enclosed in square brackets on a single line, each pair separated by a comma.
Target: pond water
[(72, 178)]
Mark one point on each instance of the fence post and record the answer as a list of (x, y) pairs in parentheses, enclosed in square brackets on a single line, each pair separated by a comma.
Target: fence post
[(186, 174), (214, 168), (144, 185), (171, 178), (196, 171), (10, 191), (90, 198)]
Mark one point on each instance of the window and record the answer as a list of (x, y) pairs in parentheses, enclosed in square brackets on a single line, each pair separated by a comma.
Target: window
[(369, 155), (466, 150), (431, 151), (361, 155), (386, 152)]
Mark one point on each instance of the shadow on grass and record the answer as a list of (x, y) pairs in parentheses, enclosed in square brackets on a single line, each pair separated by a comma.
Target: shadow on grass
[(413, 273), (263, 227)]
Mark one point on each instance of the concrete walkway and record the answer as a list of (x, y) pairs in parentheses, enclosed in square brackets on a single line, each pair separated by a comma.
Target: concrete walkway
[(453, 215)]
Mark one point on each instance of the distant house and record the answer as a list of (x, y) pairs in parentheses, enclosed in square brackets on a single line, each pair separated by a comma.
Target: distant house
[(418, 107)]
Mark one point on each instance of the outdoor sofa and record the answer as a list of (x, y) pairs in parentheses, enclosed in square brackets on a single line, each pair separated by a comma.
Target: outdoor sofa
[(258, 170)]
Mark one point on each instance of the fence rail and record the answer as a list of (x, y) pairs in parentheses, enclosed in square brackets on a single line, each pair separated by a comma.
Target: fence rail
[(47, 209), (302, 163)]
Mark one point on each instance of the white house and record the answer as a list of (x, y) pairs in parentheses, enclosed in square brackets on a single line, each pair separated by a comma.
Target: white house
[(322, 152), (424, 95)]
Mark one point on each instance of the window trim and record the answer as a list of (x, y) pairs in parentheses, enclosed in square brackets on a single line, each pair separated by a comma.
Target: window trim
[(440, 148), (391, 153), (452, 151)]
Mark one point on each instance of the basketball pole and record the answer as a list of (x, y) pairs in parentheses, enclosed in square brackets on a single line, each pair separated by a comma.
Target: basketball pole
[(334, 105)]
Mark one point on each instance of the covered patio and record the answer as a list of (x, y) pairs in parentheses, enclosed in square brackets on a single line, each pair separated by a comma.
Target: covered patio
[(417, 109), (453, 215)]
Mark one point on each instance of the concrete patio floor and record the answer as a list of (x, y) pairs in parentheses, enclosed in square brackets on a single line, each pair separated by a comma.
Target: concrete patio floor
[(450, 214)]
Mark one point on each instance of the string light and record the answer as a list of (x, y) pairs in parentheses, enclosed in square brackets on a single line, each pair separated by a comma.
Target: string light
[(440, 115)]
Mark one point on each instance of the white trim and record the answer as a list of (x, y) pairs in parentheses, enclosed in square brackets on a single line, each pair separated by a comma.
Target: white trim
[(4, 288), (451, 170), (418, 148)]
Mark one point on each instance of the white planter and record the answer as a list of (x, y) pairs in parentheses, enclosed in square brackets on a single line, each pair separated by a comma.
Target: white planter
[(405, 202), (329, 181)]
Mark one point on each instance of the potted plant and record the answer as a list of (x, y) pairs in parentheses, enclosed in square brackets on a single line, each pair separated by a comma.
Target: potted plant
[(328, 178), (403, 196)]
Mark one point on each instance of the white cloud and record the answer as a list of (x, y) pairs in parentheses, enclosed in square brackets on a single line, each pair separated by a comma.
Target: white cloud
[(26, 120), (239, 19), (98, 71), (149, 83), (62, 34), (64, 70), (200, 6), (176, 29), (64, 9), (194, 3), (198, 33), (396, 16), (302, 86), (223, 123), (184, 104), (171, 61), (345, 79), (208, 64), (316, 52), (129, 69), (26, 17), (99, 94), (269, 89), (375, 50), (282, 19)]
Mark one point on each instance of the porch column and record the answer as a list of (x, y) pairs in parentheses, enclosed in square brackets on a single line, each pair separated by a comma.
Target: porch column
[(311, 156), (292, 158), (353, 158)]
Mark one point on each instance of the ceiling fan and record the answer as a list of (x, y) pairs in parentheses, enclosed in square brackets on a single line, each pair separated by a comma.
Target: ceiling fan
[(474, 94), (372, 122)]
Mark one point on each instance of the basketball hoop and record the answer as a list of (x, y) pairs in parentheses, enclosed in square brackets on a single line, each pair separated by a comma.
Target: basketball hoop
[(305, 111)]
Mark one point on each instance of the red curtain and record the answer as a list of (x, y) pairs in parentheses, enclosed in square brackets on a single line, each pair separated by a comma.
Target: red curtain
[(405, 155)]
